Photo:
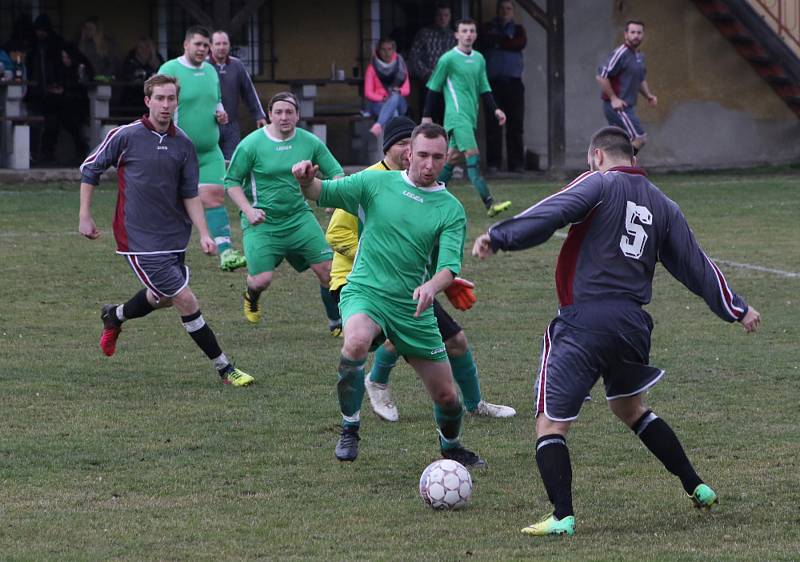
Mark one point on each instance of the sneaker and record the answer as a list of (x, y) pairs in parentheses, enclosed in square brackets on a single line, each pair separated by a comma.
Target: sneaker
[(489, 410), (704, 497), (549, 525), (231, 259), (335, 326), (465, 457), (236, 377), (347, 446), (497, 208), (111, 329), (380, 397), (251, 310)]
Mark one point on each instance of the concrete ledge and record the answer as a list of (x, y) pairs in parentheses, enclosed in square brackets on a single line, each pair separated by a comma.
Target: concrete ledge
[(44, 175)]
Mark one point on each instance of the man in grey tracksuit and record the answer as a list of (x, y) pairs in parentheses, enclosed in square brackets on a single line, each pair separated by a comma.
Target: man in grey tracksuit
[(622, 225), (234, 81)]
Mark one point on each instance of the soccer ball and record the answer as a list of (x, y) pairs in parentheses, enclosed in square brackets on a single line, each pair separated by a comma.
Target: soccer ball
[(445, 484)]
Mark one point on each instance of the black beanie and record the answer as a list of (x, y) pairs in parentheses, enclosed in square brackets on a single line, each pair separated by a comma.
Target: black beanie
[(397, 129)]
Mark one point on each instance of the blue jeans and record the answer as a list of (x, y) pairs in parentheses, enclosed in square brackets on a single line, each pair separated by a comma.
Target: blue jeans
[(392, 106)]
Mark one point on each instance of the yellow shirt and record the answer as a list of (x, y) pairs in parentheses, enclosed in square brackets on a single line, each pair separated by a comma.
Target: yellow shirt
[(342, 235)]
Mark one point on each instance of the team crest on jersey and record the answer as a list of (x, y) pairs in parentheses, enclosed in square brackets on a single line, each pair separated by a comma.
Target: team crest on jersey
[(413, 196)]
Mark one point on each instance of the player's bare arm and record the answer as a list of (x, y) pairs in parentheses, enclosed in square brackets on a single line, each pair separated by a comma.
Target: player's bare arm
[(305, 172), (751, 320), (425, 293), (644, 89), (86, 224), (616, 102), (254, 216), (483, 246), (196, 211)]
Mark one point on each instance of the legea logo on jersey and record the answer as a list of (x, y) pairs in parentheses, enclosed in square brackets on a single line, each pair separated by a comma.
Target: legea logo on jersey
[(437, 351), (283, 147), (413, 196)]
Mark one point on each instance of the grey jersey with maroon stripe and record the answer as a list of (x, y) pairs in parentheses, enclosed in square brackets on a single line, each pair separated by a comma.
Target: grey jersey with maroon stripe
[(233, 81), (156, 172), (621, 226), (626, 70)]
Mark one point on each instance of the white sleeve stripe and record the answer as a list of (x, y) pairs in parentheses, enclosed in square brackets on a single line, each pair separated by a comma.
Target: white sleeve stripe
[(93, 156), (725, 291), (614, 60), (569, 186)]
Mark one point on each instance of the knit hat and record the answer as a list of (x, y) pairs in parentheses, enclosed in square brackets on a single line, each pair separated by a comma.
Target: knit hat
[(397, 129)]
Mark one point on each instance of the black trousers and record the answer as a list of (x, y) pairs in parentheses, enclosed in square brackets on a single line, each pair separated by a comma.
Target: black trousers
[(510, 97)]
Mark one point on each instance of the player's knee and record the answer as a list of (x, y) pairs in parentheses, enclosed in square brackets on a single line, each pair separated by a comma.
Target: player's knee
[(356, 345), (323, 271), (628, 411), (445, 396), (212, 196), (457, 345), (260, 282)]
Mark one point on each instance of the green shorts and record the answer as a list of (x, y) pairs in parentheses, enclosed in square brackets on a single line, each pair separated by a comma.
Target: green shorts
[(462, 138), (212, 166), (413, 337), (302, 246)]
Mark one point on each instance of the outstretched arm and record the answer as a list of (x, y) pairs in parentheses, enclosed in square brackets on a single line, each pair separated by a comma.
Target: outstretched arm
[(305, 172)]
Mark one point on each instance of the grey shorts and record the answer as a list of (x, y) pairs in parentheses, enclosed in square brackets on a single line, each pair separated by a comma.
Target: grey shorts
[(586, 342), (164, 274), (627, 120), (229, 137)]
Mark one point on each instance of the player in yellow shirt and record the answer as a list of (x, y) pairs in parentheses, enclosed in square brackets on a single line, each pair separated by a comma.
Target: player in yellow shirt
[(343, 234)]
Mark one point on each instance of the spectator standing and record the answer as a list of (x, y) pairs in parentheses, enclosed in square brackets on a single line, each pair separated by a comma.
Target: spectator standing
[(386, 85), (428, 45), (142, 62), (234, 81), (99, 49), (503, 41)]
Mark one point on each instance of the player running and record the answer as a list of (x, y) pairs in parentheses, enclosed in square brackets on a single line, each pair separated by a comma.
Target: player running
[(621, 226), (342, 234), (157, 204), (460, 75), (277, 222), (407, 214), (199, 115)]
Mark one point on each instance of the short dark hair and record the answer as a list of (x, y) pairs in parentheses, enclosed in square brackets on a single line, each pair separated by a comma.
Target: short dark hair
[(429, 131), (196, 30), (501, 2), (160, 80), (613, 141), (288, 97), (466, 21), (634, 22), (442, 5)]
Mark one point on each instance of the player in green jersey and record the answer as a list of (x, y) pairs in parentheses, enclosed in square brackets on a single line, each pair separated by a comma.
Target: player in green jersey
[(460, 75), (277, 222), (407, 217), (199, 114)]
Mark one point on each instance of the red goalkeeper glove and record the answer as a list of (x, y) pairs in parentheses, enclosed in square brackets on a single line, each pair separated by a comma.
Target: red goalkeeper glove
[(460, 293)]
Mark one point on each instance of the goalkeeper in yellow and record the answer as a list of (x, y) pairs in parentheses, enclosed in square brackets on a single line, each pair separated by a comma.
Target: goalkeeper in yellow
[(343, 234)]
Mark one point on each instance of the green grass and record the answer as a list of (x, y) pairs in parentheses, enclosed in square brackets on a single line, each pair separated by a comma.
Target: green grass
[(146, 456)]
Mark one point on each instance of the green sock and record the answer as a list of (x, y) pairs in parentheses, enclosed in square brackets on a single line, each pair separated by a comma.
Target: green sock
[(350, 389), (448, 419), (382, 364), (474, 175), (465, 372), (219, 227), (446, 174), (331, 306)]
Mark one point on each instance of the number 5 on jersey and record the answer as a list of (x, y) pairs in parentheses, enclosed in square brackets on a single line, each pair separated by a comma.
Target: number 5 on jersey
[(632, 244)]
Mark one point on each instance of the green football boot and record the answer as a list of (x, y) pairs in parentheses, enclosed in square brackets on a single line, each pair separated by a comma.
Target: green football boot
[(704, 497), (231, 260), (549, 525)]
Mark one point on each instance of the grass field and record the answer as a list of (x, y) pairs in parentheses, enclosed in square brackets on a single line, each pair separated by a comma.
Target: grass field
[(146, 456)]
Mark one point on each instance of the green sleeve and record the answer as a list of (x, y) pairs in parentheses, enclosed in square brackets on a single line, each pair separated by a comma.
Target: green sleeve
[(483, 86), (328, 165), (451, 242), (166, 68), (348, 193), (439, 76), (240, 167)]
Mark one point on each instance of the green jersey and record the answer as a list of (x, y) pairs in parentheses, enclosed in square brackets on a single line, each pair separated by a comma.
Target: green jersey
[(462, 79), (406, 228), (198, 101), (262, 165)]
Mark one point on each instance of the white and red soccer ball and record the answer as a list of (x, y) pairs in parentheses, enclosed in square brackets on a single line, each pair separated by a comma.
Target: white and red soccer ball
[(445, 484)]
